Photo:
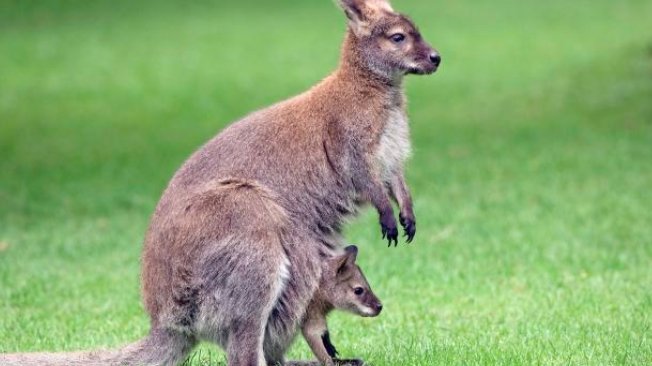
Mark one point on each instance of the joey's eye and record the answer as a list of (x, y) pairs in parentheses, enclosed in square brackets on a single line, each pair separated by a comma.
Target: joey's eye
[(397, 37), (358, 291)]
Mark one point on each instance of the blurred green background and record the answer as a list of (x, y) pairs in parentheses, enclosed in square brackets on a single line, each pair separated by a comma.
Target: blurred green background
[(532, 170)]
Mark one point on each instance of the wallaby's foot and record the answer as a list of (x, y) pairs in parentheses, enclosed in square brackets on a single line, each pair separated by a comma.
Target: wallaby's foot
[(389, 229), (409, 225)]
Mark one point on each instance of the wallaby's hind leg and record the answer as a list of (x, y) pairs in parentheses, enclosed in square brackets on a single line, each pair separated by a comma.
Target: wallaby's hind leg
[(245, 345), (290, 308), (242, 288), (274, 357), (234, 229), (243, 279)]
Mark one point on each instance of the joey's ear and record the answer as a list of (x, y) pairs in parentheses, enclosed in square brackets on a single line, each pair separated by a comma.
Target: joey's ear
[(351, 253), (361, 13), (347, 260)]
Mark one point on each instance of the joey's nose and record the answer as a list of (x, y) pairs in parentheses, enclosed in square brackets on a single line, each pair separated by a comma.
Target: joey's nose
[(379, 307), (435, 58)]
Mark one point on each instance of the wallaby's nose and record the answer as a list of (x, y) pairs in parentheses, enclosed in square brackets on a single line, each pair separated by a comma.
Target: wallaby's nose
[(379, 307), (435, 58)]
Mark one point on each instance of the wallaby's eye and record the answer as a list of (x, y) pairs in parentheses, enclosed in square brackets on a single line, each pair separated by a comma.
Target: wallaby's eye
[(358, 291), (397, 37)]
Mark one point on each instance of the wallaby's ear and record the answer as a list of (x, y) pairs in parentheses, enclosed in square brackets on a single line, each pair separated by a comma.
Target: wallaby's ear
[(353, 10), (361, 13), (347, 260)]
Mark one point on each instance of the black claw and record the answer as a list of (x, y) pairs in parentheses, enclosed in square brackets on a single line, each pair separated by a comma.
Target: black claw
[(388, 229), (392, 235), (409, 228), (410, 231)]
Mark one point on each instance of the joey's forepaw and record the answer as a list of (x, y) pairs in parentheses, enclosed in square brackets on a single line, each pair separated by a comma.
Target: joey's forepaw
[(328, 345), (389, 229), (409, 227), (349, 362)]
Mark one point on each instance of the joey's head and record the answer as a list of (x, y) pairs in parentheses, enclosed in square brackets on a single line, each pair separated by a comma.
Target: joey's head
[(346, 288), (386, 42)]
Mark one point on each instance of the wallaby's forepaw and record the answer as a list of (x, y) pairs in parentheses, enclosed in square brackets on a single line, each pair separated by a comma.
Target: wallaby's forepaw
[(409, 226), (389, 229)]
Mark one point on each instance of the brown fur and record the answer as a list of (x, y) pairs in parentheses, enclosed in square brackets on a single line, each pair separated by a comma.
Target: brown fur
[(234, 250)]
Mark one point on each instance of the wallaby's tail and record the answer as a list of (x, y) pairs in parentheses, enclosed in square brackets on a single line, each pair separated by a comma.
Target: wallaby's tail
[(159, 348)]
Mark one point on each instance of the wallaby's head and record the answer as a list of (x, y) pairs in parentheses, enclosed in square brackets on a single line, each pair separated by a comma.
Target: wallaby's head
[(386, 42), (345, 287)]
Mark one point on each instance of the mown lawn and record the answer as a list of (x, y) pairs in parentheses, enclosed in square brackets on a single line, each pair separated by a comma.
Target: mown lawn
[(532, 171)]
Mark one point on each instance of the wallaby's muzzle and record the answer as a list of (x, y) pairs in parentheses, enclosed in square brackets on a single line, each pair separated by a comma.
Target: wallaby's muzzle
[(428, 63)]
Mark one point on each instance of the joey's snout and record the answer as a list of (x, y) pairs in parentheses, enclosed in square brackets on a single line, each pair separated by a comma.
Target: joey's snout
[(374, 306), (378, 307), (373, 309), (435, 58), (369, 305)]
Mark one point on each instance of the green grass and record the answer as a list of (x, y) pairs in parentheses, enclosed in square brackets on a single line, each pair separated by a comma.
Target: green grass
[(532, 172)]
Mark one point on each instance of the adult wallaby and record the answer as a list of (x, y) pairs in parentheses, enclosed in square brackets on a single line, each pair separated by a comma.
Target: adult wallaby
[(342, 286), (234, 249)]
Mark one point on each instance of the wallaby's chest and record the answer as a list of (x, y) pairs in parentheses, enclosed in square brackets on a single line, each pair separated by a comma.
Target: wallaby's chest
[(394, 145)]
